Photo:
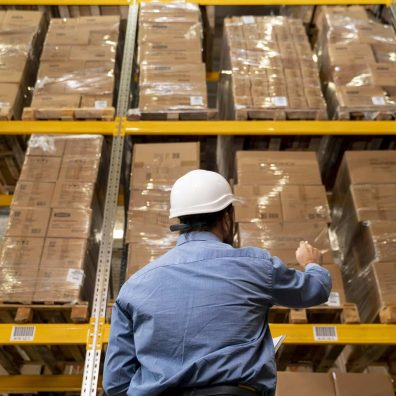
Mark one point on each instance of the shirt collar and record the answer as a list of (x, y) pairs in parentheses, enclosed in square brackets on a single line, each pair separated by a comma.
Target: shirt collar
[(197, 236)]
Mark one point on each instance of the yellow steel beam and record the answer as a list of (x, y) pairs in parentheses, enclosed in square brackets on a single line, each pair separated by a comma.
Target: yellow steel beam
[(201, 2), (40, 383), (260, 127), (58, 127), (5, 200), (360, 334), (46, 334), (77, 334)]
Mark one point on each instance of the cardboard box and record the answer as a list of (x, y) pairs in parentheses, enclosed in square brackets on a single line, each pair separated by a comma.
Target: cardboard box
[(382, 74), (58, 69), (165, 103), (64, 253), (28, 222), (337, 296), (304, 384), (70, 223), (73, 195), (84, 146), (365, 167), (277, 168), (93, 53), (365, 97), (40, 168), (375, 241), (385, 279), (360, 384), (12, 68), (149, 200), (33, 194), (79, 169), (159, 165), (28, 21), (46, 145), (96, 101), (60, 36), (170, 56), (55, 52), (20, 252), (8, 95), (282, 240), (44, 101)]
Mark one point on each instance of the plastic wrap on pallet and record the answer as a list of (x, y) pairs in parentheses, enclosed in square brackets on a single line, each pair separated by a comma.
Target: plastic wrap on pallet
[(277, 168), (282, 239), (66, 272), (271, 66), (78, 64), (288, 203), (155, 168), (370, 287), (18, 33), (357, 58), (57, 203), (172, 75)]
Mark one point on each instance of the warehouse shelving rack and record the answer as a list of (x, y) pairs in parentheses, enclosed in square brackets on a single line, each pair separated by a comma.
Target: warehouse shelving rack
[(95, 334)]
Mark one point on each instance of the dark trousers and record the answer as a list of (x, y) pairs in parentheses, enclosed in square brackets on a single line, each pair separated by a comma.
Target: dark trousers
[(218, 390)]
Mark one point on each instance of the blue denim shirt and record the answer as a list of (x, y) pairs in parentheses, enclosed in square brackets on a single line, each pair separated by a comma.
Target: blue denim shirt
[(198, 315)]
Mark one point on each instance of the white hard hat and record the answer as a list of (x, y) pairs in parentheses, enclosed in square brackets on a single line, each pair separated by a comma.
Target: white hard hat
[(200, 191)]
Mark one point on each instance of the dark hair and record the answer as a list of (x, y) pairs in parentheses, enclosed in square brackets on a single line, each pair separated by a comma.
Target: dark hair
[(200, 222)]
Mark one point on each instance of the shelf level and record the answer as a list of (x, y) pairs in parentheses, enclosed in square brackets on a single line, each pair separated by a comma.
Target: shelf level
[(201, 2), (199, 127)]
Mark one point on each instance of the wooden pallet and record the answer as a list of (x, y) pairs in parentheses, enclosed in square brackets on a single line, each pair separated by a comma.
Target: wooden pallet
[(368, 113), (53, 358), (44, 313), (208, 114), (320, 357), (280, 114), (68, 113), (348, 313)]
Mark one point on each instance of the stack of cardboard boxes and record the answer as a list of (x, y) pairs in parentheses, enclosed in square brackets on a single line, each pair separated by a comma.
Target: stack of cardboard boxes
[(334, 384), (20, 35), (172, 74), (272, 65), (284, 202), (50, 248), (155, 167), (358, 62), (77, 66), (364, 213)]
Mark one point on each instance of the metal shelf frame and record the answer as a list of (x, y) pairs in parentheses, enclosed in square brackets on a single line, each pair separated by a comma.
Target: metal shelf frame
[(95, 334)]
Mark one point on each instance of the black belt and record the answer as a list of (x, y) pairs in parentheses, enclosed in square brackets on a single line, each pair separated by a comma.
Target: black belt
[(219, 390)]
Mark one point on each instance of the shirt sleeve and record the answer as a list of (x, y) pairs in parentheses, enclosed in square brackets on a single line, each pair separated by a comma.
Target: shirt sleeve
[(297, 289), (121, 362)]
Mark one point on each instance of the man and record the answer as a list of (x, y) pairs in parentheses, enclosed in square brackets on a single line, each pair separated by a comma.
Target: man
[(194, 322)]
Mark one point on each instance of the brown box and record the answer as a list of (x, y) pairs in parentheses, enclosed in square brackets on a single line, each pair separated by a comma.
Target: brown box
[(96, 101), (70, 223), (19, 263), (28, 222), (93, 53), (382, 74), (149, 200), (55, 101), (283, 239), (337, 296), (40, 168), (170, 56), (33, 194), (259, 203), (304, 384), (159, 165), (277, 168), (361, 384), (27, 21), (79, 169), (73, 195), (84, 146), (46, 145), (64, 253), (385, 279), (164, 103), (8, 94), (364, 96), (12, 68), (365, 167)]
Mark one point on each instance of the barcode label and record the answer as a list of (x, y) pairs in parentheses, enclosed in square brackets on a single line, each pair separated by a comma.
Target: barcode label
[(378, 100), (334, 300), (23, 333), (100, 104), (325, 333), (196, 101), (75, 276), (279, 101), (248, 19), (4, 104)]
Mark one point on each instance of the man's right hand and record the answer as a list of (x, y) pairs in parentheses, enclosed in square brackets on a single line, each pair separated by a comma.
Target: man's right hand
[(306, 254)]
